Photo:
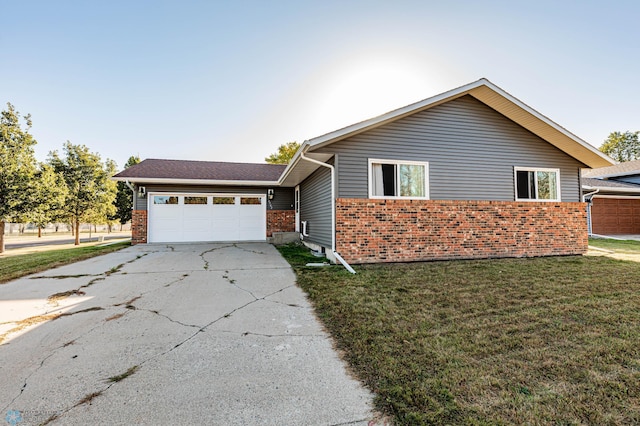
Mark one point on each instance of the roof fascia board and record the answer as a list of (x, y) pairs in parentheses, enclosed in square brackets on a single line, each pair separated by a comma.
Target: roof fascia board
[(542, 118), (612, 189), (196, 181)]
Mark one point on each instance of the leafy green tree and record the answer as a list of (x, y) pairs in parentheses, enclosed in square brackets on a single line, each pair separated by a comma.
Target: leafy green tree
[(124, 198), (17, 167), (284, 154), (48, 196), (90, 189), (622, 146)]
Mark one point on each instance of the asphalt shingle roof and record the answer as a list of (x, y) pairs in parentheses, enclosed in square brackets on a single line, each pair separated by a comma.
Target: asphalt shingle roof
[(626, 168), (606, 183), (205, 170)]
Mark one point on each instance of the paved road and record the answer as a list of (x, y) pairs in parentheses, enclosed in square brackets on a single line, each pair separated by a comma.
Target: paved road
[(49, 241), (215, 334)]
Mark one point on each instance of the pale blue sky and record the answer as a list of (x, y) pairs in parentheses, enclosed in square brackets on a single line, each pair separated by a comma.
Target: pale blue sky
[(231, 80)]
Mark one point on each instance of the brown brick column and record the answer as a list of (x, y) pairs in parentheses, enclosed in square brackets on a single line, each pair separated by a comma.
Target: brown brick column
[(280, 221), (139, 227)]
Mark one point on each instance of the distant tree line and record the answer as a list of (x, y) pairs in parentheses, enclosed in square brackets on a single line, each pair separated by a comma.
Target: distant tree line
[(71, 187), (622, 146)]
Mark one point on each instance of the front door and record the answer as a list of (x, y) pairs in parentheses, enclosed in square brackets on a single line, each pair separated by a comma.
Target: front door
[(297, 207)]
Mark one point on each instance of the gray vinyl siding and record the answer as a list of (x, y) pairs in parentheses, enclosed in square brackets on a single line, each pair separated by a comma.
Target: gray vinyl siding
[(315, 206), (282, 200), (471, 150)]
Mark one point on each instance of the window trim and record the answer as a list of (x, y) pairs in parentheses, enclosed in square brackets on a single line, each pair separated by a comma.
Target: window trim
[(517, 169), (398, 162)]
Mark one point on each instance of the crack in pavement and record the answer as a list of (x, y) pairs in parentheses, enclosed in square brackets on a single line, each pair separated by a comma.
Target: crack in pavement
[(206, 262), (100, 324)]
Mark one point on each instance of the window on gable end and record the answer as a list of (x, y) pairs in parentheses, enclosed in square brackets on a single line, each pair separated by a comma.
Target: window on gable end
[(537, 184), (398, 179)]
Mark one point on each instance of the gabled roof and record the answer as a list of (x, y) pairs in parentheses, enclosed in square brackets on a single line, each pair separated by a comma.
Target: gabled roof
[(621, 169), (492, 96), (610, 186), (202, 172)]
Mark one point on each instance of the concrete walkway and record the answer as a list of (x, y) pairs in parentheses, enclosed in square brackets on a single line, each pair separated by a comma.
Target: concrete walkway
[(215, 334)]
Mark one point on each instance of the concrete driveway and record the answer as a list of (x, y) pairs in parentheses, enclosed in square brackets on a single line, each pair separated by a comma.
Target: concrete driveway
[(215, 334)]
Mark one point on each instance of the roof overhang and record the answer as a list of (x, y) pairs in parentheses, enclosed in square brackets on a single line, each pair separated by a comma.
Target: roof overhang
[(611, 189), (299, 169), (497, 99), (169, 181)]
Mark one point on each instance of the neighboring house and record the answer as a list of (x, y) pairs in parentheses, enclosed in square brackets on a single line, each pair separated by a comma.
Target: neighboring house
[(470, 173), (614, 195)]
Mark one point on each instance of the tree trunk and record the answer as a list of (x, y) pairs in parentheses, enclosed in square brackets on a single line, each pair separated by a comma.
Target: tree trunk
[(121, 226), (73, 231), (39, 232), (1, 236), (77, 232)]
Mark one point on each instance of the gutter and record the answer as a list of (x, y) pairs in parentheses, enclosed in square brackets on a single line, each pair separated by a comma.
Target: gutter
[(333, 209)]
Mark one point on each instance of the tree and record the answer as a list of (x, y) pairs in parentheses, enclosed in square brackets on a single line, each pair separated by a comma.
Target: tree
[(284, 154), (17, 167), (48, 196), (90, 190), (124, 199), (622, 146)]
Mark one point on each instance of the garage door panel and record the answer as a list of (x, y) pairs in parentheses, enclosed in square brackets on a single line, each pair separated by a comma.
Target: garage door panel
[(198, 217), (615, 216)]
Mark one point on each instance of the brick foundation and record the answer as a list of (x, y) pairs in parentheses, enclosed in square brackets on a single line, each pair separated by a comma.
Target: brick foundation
[(139, 227), (280, 221), (371, 231)]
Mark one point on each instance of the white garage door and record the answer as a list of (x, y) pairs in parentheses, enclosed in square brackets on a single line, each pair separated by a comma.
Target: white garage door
[(198, 217)]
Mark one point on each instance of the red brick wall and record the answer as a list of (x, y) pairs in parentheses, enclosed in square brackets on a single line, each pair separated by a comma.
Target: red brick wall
[(280, 221), (139, 227), (370, 231)]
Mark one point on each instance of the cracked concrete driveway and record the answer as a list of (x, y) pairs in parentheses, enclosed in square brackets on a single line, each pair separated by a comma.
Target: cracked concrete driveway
[(180, 334)]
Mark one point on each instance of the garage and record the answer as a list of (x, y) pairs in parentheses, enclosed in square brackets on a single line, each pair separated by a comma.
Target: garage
[(619, 215), (206, 217)]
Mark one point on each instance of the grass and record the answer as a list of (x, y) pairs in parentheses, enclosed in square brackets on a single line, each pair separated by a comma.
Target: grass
[(12, 267), (509, 341), (620, 246)]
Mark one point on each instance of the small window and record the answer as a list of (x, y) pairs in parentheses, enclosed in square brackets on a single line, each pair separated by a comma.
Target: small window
[(164, 199), (537, 184), (195, 200), (398, 179), (250, 200), (224, 200)]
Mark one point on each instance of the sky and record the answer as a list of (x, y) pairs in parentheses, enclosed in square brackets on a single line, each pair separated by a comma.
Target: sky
[(232, 80)]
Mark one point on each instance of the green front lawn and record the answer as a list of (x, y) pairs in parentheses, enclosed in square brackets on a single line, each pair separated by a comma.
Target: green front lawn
[(510, 341), (619, 246), (12, 267)]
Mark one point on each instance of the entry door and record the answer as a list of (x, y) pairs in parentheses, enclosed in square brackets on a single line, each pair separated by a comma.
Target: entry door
[(297, 207)]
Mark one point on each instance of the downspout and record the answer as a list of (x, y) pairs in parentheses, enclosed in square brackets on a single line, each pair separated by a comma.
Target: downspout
[(589, 201), (133, 190), (333, 209)]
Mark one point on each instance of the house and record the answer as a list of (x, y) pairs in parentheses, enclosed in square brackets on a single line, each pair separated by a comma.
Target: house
[(614, 195), (470, 173)]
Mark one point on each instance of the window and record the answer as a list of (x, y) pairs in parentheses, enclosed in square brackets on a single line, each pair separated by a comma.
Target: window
[(250, 200), (398, 179), (195, 200), (224, 200), (537, 184), (163, 199)]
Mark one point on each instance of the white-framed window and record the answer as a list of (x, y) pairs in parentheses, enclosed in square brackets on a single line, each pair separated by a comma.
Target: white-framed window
[(398, 179), (534, 184)]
